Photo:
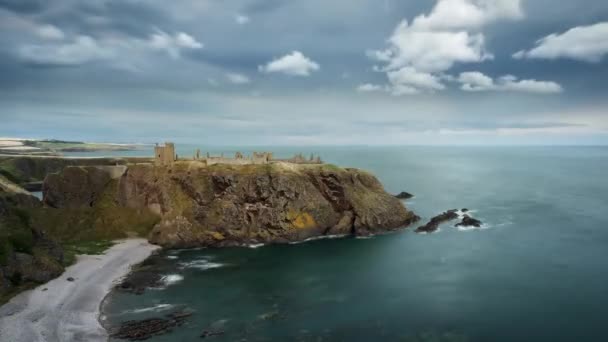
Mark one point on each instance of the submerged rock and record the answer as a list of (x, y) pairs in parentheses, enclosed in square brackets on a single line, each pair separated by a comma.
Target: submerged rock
[(139, 330), (468, 221), (434, 223), (224, 205), (404, 195)]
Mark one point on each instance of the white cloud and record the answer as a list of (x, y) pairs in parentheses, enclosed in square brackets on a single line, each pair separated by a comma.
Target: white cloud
[(120, 51), (468, 14), (237, 78), (295, 64), (368, 87), (433, 43), (83, 49), (584, 43), (477, 81), (409, 77), (242, 19), (50, 32), (529, 86), (173, 44)]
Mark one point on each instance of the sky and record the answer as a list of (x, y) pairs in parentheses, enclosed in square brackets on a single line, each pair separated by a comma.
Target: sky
[(306, 72)]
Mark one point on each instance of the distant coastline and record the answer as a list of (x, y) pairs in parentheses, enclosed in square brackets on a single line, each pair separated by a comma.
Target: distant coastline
[(21, 146)]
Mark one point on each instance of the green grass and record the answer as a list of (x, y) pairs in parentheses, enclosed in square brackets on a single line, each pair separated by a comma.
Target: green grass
[(71, 250)]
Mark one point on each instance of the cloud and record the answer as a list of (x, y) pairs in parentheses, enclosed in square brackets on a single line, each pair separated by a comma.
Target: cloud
[(433, 43), (294, 64), (477, 81), (50, 32), (237, 78), (368, 87), (173, 44), (583, 43), (407, 79), (60, 51), (242, 19), (81, 50)]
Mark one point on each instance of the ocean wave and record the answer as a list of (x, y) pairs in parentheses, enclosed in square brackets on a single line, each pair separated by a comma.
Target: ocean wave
[(171, 279), (322, 237), (255, 245), (201, 264), (155, 308)]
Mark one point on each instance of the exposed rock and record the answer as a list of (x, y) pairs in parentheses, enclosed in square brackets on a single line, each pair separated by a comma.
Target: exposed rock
[(144, 329), (223, 205), (70, 181), (468, 221), (404, 195), (70, 279), (434, 223), (27, 254), (464, 210)]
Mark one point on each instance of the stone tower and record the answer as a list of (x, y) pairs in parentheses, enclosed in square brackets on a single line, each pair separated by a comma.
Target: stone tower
[(164, 155)]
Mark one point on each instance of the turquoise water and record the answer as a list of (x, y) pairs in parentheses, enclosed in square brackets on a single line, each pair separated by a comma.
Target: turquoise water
[(537, 271)]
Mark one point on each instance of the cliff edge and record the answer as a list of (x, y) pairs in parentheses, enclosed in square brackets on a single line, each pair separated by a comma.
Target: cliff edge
[(27, 254), (190, 204)]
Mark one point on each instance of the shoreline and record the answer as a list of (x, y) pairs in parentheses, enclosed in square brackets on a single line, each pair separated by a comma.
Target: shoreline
[(63, 310)]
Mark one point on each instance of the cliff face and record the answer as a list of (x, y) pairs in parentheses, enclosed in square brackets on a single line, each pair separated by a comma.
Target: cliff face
[(224, 205), (26, 253)]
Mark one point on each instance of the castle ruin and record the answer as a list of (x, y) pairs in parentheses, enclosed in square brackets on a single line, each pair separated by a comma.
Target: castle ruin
[(165, 156)]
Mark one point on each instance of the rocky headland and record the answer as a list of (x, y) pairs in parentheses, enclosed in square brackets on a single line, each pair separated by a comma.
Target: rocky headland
[(188, 204), (27, 254)]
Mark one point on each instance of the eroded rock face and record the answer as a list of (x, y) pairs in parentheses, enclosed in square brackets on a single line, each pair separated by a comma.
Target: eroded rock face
[(26, 253), (228, 205)]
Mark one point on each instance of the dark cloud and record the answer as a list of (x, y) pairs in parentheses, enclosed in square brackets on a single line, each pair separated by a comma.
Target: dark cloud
[(137, 80), (257, 6), (23, 6)]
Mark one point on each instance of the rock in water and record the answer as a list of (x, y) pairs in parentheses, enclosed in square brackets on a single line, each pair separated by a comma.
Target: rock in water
[(434, 223), (227, 205), (404, 195), (144, 329), (468, 221)]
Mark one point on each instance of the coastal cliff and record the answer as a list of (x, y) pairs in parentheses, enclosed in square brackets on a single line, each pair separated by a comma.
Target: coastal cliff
[(189, 204), (27, 254)]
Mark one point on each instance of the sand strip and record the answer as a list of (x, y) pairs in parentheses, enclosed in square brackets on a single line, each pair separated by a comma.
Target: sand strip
[(69, 311)]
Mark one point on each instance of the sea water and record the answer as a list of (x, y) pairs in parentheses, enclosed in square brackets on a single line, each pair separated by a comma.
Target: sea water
[(536, 271)]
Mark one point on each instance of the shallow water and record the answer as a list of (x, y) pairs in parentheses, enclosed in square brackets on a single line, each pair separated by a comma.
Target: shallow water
[(536, 272)]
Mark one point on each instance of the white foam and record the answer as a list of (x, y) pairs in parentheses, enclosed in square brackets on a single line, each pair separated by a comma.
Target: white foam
[(156, 308), (200, 264), (322, 237), (172, 257), (171, 279), (255, 245)]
